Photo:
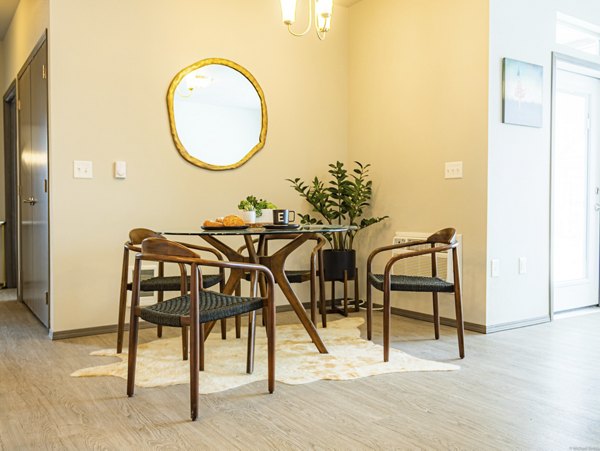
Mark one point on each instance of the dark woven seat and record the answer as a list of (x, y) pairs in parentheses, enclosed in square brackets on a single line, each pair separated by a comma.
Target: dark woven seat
[(413, 283), (212, 307), (173, 283), (293, 276)]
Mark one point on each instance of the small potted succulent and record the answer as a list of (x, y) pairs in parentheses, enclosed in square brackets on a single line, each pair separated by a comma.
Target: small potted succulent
[(255, 210), (340, 200)]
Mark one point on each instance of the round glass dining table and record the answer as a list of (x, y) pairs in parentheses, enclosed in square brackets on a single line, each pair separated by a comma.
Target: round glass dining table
[(275, 261)]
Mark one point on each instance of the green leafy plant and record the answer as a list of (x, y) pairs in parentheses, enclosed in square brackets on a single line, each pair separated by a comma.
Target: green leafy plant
[(340, 200), (251, 203)]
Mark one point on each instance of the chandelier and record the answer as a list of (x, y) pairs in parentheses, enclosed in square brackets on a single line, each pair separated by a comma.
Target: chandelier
[(323, 10)]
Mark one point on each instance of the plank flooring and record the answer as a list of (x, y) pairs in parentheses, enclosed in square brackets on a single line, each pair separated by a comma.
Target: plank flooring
[(530, 388)]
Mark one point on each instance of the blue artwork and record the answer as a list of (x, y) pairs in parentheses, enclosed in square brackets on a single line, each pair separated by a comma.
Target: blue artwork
[(522, 93)]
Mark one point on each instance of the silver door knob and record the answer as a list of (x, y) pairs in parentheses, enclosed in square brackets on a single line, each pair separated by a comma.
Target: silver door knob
[(30, 201), (597, 207)]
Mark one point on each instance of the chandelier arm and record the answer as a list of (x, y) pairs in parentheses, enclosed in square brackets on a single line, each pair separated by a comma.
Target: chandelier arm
[(310, 18)]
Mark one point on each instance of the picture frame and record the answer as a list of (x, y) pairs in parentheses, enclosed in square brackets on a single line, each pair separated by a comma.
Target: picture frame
[(522, 93)]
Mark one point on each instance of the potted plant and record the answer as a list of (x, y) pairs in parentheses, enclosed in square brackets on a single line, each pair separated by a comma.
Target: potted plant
[(340, 200), (262, 210)]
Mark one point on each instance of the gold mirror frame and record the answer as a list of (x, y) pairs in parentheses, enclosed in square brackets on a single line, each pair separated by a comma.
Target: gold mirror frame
[(170, 106)]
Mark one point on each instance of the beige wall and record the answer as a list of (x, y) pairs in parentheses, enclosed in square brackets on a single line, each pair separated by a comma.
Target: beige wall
[(418, 98), (111, 63), (25, 30)]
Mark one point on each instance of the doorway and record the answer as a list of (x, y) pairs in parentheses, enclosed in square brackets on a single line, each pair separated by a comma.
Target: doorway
[(11, 262), (575, 200), (32, 92)]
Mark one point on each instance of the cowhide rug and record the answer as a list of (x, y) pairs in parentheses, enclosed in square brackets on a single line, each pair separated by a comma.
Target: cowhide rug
[(159, 362)]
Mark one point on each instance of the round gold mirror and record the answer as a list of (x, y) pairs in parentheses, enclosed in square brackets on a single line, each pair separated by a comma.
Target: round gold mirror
[(217, 113)]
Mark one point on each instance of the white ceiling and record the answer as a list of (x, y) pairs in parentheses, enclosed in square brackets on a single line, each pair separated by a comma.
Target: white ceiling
[(7, 10), (346, 2)]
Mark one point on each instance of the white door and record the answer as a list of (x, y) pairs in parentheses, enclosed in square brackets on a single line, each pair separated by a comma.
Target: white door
[(576, 191)]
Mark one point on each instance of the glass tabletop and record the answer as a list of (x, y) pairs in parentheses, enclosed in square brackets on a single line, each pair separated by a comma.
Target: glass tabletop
[(263, 230)]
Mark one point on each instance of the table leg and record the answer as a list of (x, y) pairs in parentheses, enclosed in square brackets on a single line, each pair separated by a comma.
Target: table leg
[(276, 264)]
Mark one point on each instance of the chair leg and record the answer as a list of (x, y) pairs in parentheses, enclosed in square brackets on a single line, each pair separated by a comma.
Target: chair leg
[(238, 318), (251, 340), (460, 327), (387, 312), (224, 329), (194, 367), (345, 293), (313, 303), (436, 316), (369, 311), (122, 301), (238, 326), (131, 358), (322, 298), (160, 298), (184, 342), (271, 352), (356, 292), (201, 348)]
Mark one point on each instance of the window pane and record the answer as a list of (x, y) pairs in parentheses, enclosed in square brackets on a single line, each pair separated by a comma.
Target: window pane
[(571, 187)]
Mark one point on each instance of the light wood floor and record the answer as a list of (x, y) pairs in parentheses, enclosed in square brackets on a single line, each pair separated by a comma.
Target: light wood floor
[(531, 388)]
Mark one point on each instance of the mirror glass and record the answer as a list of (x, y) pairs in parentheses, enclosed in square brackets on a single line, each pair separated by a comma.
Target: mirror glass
[(217, 114)]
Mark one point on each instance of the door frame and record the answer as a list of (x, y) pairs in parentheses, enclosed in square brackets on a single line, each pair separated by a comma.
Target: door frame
[(557, 58), (11, 185)]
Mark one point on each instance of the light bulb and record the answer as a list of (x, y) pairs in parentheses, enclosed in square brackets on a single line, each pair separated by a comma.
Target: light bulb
[(288, 11)]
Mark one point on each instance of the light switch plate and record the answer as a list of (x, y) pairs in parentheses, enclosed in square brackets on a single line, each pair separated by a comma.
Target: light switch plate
[(83, 169), (453, 170), (495, 267), (522, 265), (120, 169)]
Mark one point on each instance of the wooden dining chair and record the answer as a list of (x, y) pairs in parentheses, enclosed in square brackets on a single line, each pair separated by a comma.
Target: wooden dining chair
[(198, 307), (312, 274), (441, 241), (160, 283)]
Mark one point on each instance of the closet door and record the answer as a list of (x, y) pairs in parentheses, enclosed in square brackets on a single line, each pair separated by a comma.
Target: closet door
[(33, 133)]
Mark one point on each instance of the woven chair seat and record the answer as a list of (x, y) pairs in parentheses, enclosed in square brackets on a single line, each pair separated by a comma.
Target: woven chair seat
[(293, 276), (413, 283), (173, 283), (213, 306)]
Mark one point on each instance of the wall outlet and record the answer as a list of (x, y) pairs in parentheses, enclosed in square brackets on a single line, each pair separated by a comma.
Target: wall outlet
[(495, 267), (522, 265), (83, 169), (453, 170)]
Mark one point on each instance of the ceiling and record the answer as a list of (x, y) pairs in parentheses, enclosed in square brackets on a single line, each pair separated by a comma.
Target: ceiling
[(7, 10), (346, 2)]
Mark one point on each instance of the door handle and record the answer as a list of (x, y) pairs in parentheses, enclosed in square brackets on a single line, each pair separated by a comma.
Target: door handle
[(597, 207), (30, 201)]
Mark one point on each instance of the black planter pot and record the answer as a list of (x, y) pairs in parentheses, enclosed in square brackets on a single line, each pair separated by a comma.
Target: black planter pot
[(336, 262)]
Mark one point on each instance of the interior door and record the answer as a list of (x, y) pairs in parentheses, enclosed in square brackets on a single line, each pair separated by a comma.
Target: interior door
[(33, 134), (576, 192)]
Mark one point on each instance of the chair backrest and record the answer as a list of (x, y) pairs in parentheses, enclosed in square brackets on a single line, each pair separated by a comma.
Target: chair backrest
[(136, 236), (158, 245), (444, 236)]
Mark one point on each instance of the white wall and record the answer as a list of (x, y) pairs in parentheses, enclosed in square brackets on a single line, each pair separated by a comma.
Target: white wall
[(519, 160), (111, 63), (418, 98)]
